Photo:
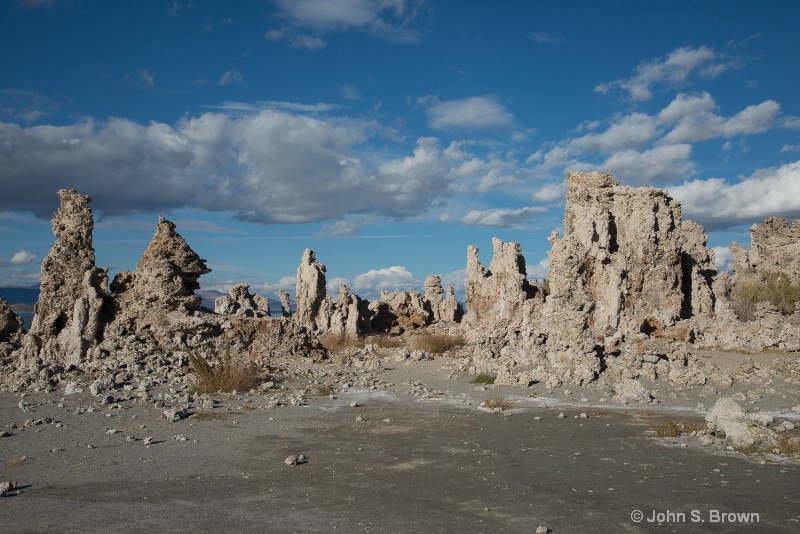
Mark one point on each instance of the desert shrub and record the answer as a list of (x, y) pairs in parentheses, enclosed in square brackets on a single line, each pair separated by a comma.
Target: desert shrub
[(436, 343), (321, 389), (338, 341), (600, 412), (227, 374), (668, 428), (483, 378), (776, 288), (498, 403), (788, 446)]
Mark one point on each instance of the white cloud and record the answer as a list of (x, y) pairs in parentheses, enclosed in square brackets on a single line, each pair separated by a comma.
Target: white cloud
[(718, 203), (672, 70), (723, 258), (474, 113), (266, 167), (23, 257), (349, 92), (539, 270), (231, 77), (790, 148), (287, 283), (396, 278), (308, 42), (696, 121), (551, 192), (392, 20), (546, 38), (631, 131), (666, 163), (340, 228), (501, 217)]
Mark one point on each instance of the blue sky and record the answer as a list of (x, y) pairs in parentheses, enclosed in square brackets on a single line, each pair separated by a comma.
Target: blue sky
[(386, 135)]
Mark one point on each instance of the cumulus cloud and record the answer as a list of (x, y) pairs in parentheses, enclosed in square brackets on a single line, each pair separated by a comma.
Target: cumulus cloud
[(266, 167), (723, 258), (394, 20), (667, 163), (632, 131), (539, 270), (231, 77), (695, 119), (673, 70), (340, 228), (719, 203), (396, 278), (287, 283), (23, 257), (501, 217), (474, 113), (551, 192)]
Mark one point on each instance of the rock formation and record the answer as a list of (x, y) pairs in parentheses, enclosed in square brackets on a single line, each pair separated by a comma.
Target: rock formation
[(775, 247), (499, 292), (444, 310), (398, 312), (286, 307), (10, 328), (626, 264), (67, 319), (240, 302), (165, 277), (310, 293)]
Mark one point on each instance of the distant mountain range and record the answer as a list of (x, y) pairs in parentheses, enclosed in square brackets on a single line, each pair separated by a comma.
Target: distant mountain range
[(23, 298)]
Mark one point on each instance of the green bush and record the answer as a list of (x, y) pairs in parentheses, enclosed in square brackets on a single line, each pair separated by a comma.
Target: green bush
[(775, 287)]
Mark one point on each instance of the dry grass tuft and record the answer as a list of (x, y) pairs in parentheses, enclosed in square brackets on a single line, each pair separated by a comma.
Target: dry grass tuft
[(207, 416), (788, 446), (436, 343), (668, 428), (339, 341), (600, 412), (227, 374), (498, 403), (776, 288)]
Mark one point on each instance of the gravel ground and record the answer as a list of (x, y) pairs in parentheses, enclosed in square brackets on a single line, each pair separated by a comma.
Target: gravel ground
[(417, 456)]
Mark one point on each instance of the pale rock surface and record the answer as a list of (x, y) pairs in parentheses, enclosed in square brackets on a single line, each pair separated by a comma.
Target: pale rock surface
[(498, 293), (286, 307), (310, 293), (740, 428), (398, 312), (165, 277), (240, 302), (626, 263), (441, 310), (68, 317), (11, 328)]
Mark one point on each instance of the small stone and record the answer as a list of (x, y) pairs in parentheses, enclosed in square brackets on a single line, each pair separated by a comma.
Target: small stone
[(541, 530), (387, 420), (111, 431), (6, 487), (291, 460), (354, 404), (561, 415), (583, 415), (359, 419), (148, 440)]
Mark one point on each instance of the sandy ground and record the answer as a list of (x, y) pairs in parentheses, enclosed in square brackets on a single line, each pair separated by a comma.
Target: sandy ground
[(419, 456)]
